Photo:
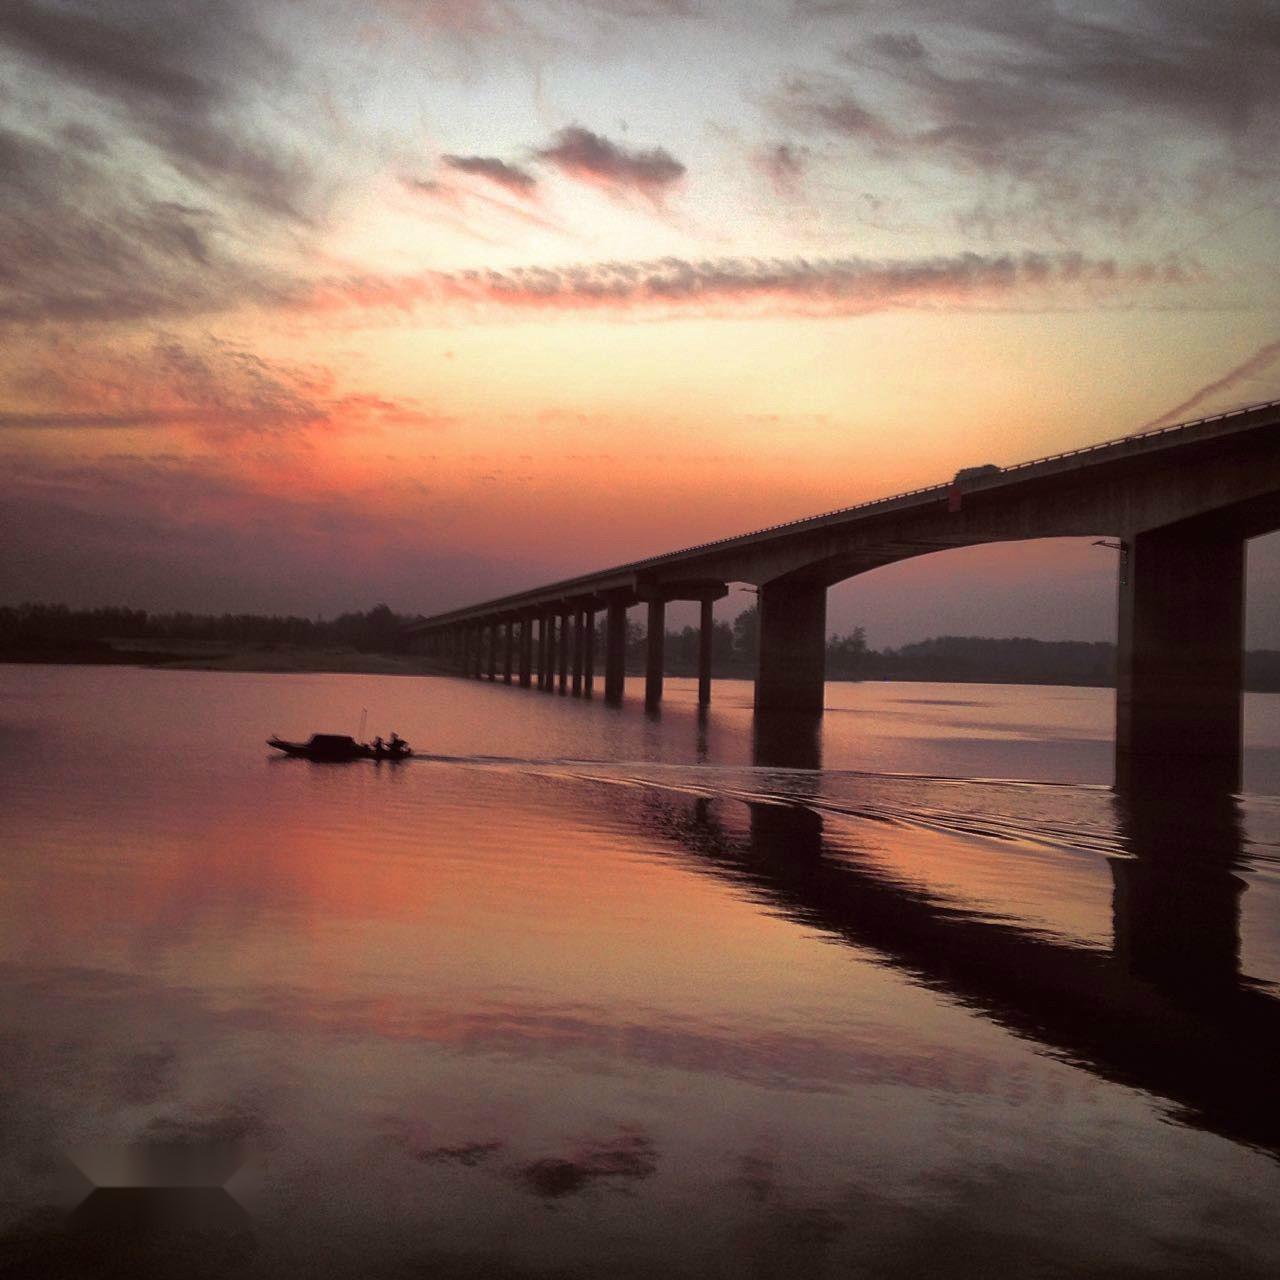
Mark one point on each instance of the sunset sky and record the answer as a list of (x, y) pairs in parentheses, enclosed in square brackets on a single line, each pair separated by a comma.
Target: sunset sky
[(306, 304)]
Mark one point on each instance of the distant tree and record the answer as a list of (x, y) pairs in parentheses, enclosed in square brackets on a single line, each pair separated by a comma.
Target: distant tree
[(847, 654), (746, 630)]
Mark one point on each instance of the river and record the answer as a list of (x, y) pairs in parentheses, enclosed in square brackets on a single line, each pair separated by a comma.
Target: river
[(580, 991)]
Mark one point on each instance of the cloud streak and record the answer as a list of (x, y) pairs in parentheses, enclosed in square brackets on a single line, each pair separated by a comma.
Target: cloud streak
[(510, 176), (737, 286), (1256, 364)]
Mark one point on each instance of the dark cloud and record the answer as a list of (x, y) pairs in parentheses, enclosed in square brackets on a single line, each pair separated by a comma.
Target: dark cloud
[(79, 242), (902, 48), (1063, 101), (629, 1156), (588, 157), (830, 286), (505, 175), (177, 76), (123, 57)]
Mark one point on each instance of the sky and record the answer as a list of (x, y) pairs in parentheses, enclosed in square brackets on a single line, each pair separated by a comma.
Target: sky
[(306, 305)]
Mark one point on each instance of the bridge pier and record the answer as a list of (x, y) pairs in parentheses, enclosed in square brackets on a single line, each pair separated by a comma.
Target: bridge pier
[(508, 649), (705, 634), (655, 649), (615, 650), (1180, 653), (577, 653), (546, 636), (526, 651), (589, 651), (562, 653), (493, 650), (792, 646)]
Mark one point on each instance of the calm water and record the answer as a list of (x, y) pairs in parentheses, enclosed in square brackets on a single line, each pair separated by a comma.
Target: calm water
[(584, 993)]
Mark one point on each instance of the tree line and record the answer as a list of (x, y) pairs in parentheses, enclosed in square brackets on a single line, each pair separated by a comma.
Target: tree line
[(55, 628), (57, 632)]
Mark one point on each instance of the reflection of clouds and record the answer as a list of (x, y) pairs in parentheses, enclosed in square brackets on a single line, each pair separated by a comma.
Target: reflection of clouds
[(589, 1039), (616, 1161)]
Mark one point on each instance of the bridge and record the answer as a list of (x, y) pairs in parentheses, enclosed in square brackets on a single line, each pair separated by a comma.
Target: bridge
[(1181, 501)]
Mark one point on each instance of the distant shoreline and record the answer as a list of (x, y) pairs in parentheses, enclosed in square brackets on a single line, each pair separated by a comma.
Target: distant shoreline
[(264, 661), (284, 660)]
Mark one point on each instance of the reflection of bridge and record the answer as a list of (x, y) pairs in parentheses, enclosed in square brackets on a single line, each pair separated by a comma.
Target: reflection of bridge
[(1183, 501), (1167, 1011)]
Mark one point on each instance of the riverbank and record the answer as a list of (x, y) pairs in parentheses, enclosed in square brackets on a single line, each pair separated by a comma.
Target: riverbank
[(211, 656)]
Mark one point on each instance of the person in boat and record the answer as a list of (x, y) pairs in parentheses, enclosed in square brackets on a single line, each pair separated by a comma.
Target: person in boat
[(396, 745), (378, 748)]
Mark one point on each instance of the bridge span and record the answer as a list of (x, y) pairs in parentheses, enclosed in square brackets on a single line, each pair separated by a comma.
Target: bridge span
[(1182, 502)]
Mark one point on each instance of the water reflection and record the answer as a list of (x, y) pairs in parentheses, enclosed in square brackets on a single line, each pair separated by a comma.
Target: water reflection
[(1137, 1015), (787, 740), (1177, 896)]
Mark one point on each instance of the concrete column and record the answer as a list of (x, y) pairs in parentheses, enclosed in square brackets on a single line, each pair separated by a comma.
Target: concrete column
[(577, 653), (508, 650), (615, 650), (546, 631), (655, 643), (792, 646), (704, 654), (1180, 653), (493, 651), (589, 652), (562, 653), (526, 651)]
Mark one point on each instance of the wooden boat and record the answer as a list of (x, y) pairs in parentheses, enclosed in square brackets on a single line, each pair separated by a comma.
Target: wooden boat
[(324, 746), (336, 747)]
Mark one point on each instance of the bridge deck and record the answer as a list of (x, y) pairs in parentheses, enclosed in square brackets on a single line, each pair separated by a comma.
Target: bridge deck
[(1163, 440)]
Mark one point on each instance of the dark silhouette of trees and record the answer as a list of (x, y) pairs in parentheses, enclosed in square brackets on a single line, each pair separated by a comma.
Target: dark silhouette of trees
[(54, 632), (847, 656), (746, 630), (56, 629)]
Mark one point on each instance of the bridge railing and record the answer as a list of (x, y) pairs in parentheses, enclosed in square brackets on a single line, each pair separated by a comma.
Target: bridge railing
[(571, 584)]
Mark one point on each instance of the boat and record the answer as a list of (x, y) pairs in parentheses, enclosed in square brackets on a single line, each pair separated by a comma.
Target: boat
[(337, 747), (324, 746)]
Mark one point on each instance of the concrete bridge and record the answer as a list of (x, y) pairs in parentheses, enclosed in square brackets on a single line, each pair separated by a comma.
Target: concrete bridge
[(1182, 501)]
